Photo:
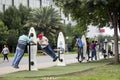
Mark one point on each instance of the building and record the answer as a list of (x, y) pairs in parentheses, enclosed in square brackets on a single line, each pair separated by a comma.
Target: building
[(4, 4)]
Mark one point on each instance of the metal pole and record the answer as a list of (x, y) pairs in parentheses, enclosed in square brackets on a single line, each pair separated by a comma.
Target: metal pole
[(29, 58)]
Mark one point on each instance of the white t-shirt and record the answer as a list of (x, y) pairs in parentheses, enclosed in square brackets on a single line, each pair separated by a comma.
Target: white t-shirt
[(5, 50), (43, 42)]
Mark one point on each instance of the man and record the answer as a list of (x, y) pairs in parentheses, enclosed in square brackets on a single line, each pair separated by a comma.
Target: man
[(22, 42), (88, 48), (43, 41), (80, 49)]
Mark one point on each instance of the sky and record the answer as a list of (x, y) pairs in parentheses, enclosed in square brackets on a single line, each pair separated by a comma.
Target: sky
[(94, 31)]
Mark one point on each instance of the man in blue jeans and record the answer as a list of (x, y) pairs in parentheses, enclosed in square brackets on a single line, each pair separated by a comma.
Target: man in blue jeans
[(80, 49), (43, 41), (22, 42)]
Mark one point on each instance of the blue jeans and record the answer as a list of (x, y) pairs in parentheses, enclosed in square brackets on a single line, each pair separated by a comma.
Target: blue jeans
[(94, 55), (49, 51), (17, 56), (80, 53)]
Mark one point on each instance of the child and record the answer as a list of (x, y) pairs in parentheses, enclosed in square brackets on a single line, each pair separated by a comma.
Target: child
[(5, 52)]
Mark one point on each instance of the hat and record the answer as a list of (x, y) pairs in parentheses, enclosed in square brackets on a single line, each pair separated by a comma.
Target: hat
[(40, 36)]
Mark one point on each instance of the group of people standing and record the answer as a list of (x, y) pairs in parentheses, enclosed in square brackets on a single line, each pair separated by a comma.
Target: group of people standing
[(91, 48)]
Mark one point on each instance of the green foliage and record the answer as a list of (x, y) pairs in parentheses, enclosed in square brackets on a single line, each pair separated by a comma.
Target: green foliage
[(12, 18), (80, 29), (13, 37), (3, 33), (24, 14), (68, 30), (45, 19), (102, 38), (95, 12), (15, 19)]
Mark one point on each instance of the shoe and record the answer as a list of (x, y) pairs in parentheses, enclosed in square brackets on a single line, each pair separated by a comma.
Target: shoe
[(55, 59), (76, 57), (16, 67)]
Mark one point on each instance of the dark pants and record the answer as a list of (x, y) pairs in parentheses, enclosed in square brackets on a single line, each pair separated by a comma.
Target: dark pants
[(80, 53), (5, 56), (88, 53), (94, 55)]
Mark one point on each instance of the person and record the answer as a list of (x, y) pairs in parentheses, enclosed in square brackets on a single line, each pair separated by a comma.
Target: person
[(104, 53), (93, 50), (44, 43), (80, 49), (5, 52), (88, 48), (110, 52), (22, 42)]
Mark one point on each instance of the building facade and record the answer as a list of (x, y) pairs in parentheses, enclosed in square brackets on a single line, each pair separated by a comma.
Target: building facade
[(4, 4)]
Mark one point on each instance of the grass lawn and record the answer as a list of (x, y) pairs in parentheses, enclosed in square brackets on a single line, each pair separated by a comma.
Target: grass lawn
[(97, 70)]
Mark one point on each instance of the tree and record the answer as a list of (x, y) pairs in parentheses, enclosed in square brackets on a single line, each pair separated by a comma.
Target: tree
[(3, 33), (45, 19), (15, 19), (12, 18), (96, 12), (24, 14), (12, 39)]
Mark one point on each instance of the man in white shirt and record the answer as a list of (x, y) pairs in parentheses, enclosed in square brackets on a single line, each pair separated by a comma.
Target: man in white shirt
[(43, 41)]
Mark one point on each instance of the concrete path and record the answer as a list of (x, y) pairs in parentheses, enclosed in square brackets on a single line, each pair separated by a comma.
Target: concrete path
[(43, 62)]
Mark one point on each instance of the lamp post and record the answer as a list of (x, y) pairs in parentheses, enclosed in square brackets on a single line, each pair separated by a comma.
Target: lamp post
[(67, 43)]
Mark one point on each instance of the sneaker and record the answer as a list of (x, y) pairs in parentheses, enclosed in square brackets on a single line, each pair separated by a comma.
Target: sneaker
[(16, 67), (76, 57), (55, 59)]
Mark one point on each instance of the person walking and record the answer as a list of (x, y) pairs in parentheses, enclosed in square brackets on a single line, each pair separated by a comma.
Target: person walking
[(44, 43), (22, 42), (5, 52)]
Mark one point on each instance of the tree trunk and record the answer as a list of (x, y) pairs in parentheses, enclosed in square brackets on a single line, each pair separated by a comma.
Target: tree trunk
[(116, 43)]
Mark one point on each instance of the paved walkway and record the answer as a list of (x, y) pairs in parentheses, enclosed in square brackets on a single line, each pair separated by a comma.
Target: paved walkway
[(43, 62)]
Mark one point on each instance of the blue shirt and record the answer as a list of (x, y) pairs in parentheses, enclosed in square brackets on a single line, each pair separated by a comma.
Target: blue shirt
[(79, 42), (22, 42), (24, 38)]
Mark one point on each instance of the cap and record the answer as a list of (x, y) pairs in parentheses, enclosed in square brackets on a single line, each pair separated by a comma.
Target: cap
[(40, 36)]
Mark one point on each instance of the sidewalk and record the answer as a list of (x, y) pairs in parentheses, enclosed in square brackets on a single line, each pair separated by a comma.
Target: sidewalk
[(44, 63)]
